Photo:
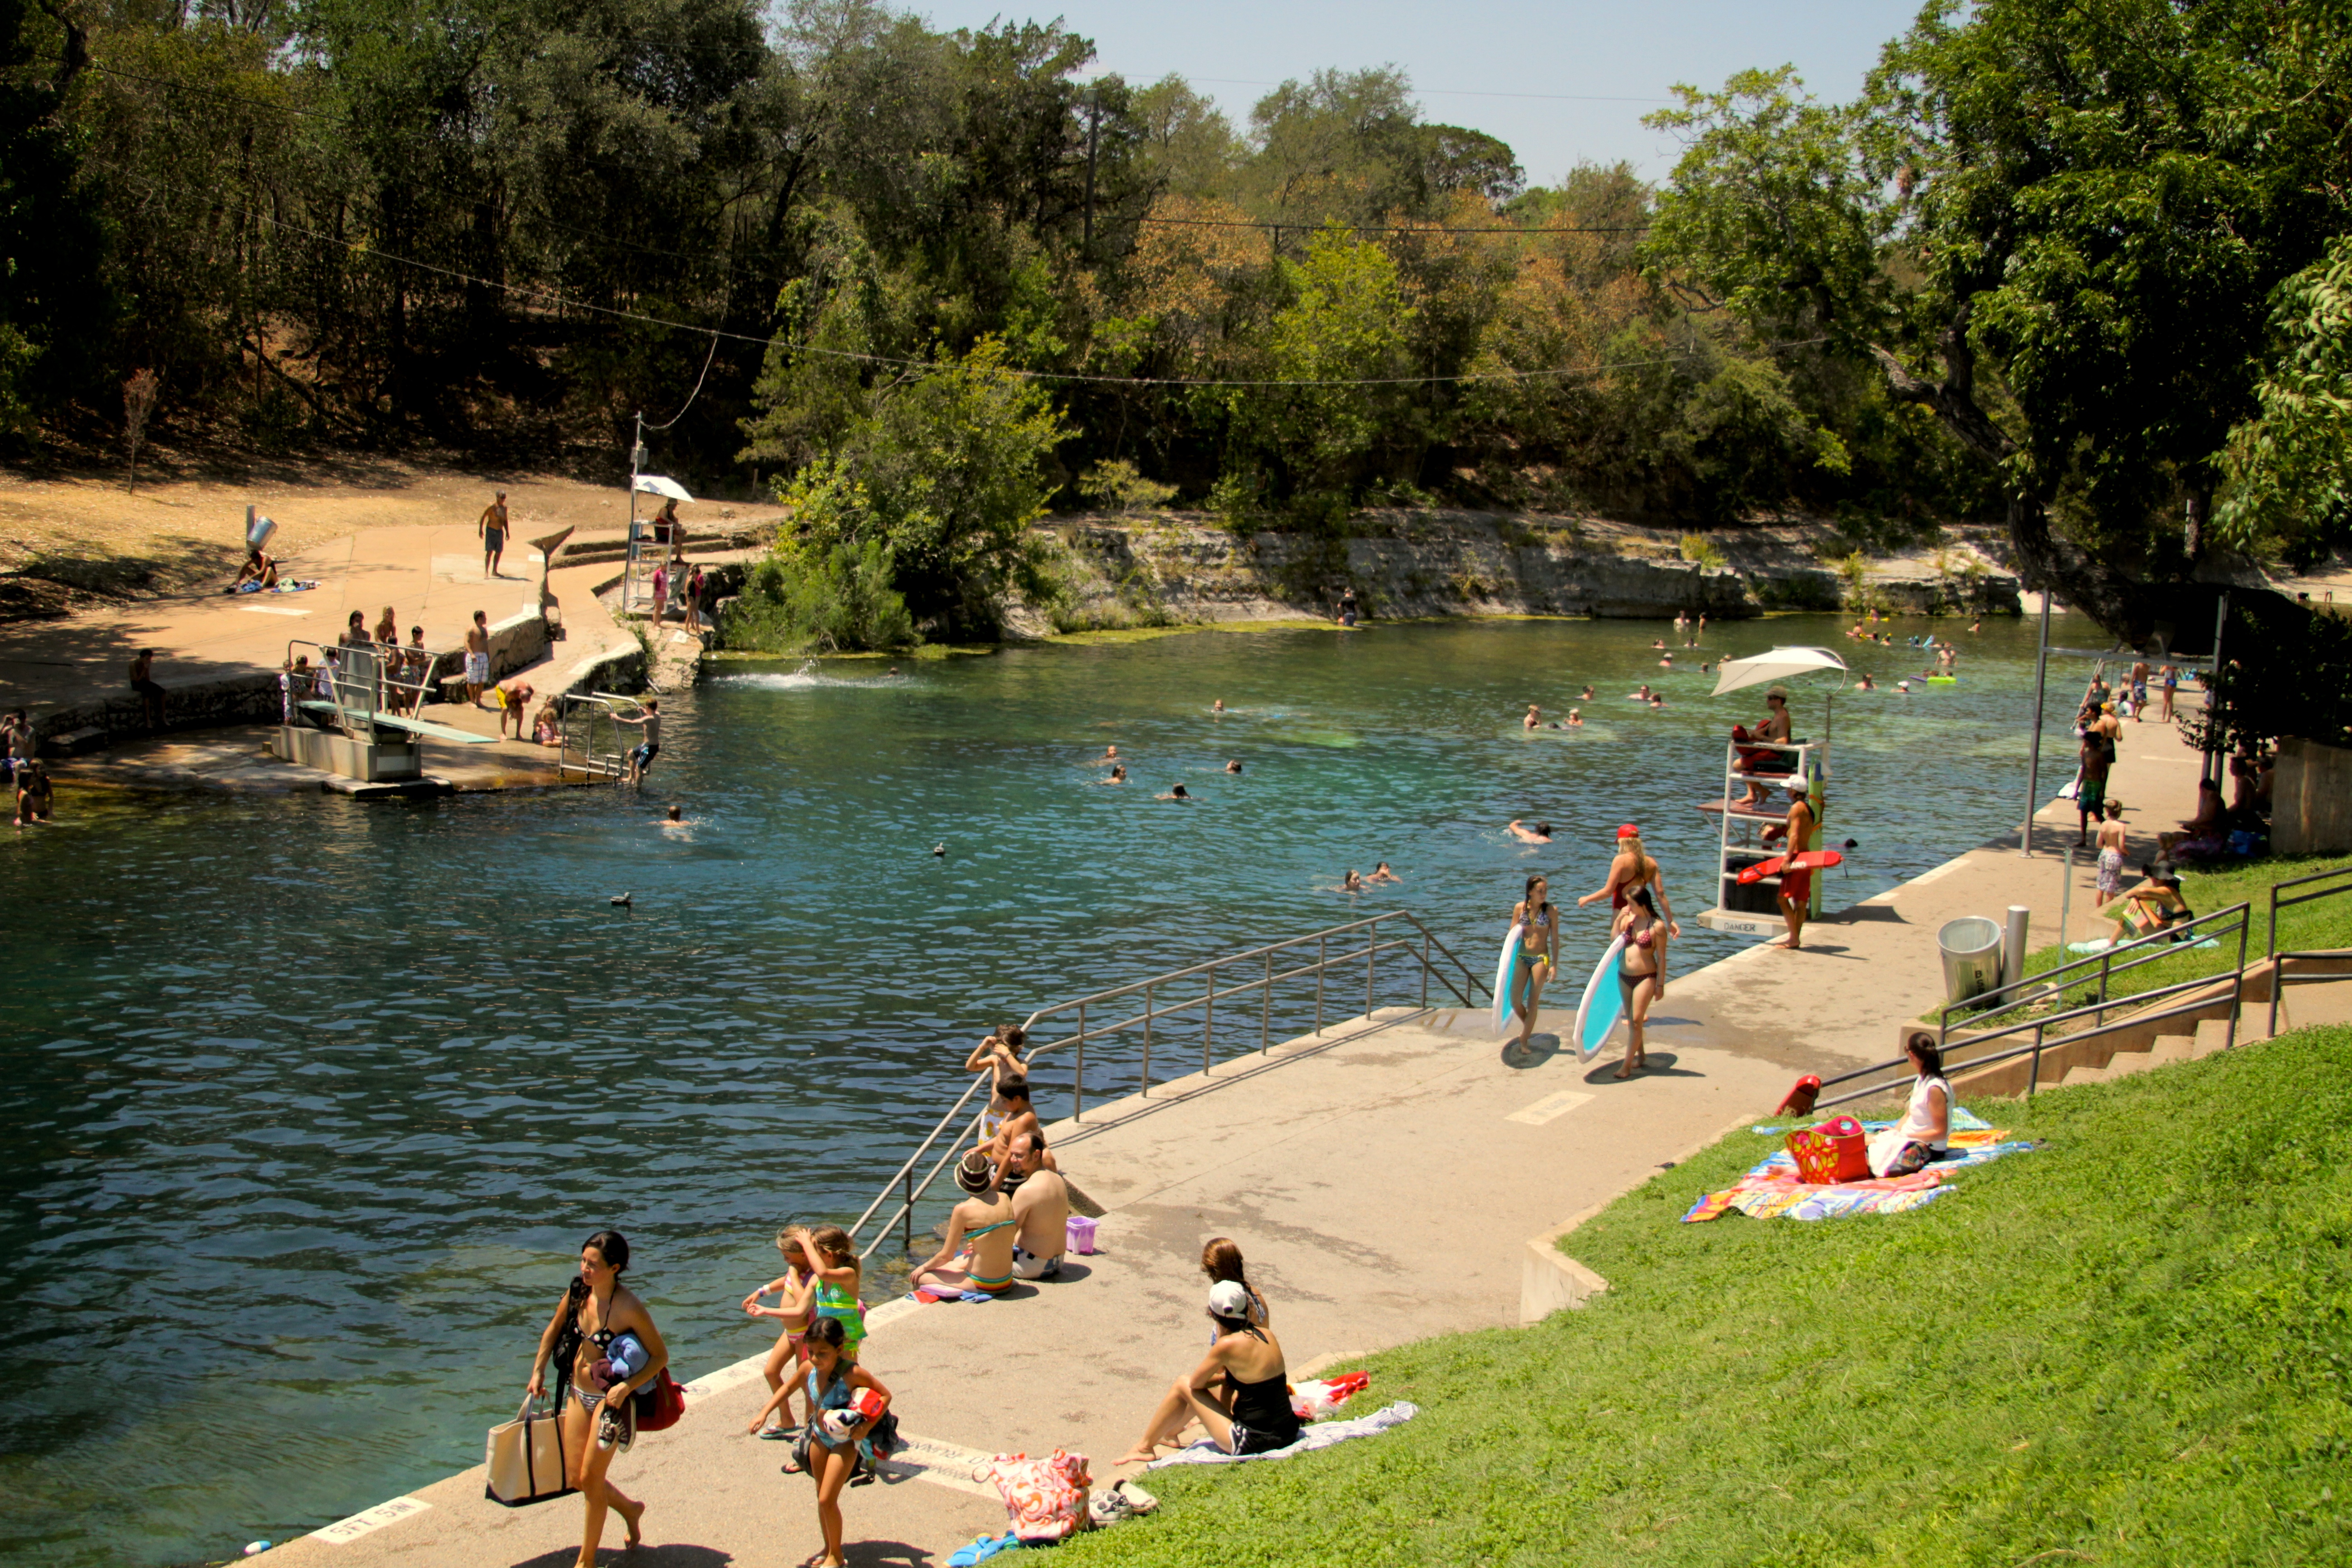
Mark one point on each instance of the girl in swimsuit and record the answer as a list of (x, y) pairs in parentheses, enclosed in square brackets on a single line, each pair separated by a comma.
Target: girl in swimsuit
[(1250, 1411), (835, 1261), (1000, 1056), (595, 1309), (1538, 952), (833, 1377), (795, 1308), (1221, 1259), (1641, 974)]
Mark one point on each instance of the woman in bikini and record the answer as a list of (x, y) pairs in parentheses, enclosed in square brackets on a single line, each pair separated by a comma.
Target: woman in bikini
[(1641, 973), (597, 1423), (795, 1308), (1539, 953), (999, 1056), (977, 1254)]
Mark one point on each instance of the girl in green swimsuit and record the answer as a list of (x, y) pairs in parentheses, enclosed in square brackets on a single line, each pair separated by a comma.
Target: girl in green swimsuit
[(835, 1261)]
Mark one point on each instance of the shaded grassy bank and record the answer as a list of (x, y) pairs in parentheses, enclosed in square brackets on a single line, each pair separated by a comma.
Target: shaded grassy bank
[(2130, 1346)]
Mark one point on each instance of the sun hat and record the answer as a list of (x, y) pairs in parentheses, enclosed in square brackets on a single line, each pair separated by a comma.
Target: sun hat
[(1229, 1298)]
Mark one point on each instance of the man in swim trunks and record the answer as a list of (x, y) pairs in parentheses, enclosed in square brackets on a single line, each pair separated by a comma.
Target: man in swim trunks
[(1042, 1200), (2111, 853), (514, 698), (984, 1221), (477, 656), (1797, 886), (493, 529), (646, 750), (2091, 786), (2138, 689)]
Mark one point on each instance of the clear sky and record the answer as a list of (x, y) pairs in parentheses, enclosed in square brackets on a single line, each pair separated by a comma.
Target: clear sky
[(1598, 67)]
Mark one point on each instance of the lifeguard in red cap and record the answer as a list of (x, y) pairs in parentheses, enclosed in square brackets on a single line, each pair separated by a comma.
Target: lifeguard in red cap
[(1633, 869)]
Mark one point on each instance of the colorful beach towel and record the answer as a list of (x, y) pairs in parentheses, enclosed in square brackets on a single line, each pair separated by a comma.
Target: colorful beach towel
[(1322, 1435), (1771, 1191)]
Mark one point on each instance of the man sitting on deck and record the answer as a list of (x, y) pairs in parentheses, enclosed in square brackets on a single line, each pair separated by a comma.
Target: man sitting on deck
[(1020, 1118), (1042, 1200)]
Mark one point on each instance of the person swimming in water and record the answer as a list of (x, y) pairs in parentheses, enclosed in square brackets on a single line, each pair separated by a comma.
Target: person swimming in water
[(1534, 721), (1865, 683), (1381, 873), (1540, 835), (1176, 791), (1351, 883), (1575, 719), (1642, 695), (1586, 696), (1118, 775), (1218, 706), (1233, 764)]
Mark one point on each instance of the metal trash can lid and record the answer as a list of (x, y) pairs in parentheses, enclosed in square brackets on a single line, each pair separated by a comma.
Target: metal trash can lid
[(1968, 936)]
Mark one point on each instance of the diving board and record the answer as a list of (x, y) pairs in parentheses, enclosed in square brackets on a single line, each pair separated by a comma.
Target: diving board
[(412, 726)]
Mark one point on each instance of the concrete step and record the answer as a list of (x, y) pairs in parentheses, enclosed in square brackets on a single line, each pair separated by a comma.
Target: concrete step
[(2169, 1048), (2214, 1033)]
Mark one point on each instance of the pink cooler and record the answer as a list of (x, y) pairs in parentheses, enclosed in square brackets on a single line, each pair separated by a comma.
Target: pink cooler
[(1082, 1235)]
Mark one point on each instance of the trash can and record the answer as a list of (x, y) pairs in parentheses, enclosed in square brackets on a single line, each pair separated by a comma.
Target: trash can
[(1971, 949)]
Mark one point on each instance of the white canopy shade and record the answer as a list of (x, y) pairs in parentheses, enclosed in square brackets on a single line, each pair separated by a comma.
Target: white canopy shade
[(653, 484), (1779, 664)]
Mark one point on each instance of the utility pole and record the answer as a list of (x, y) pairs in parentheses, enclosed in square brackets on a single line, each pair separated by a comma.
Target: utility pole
[(1094, 117)]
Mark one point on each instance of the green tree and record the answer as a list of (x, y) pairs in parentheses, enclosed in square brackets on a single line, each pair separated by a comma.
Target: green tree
[(2289, 469), (54, 308), (947, 472), (2055, 227)]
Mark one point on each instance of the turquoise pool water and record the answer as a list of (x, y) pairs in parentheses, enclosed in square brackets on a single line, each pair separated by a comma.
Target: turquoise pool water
[(310, 1102)]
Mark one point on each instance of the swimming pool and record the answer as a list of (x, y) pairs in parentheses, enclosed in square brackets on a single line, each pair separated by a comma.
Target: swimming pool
[(312, 1101)]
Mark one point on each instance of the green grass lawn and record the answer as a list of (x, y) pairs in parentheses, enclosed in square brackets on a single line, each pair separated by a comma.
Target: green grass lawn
[(2130, 1346), (2324, 923)]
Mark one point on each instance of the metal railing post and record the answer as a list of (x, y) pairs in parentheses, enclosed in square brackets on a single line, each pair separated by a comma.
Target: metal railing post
[(1147, 1042), (2238, 991), (2034, 1078), (909, 1242), (1208, 1018), (1322, 960), (1266, 1005), (1425, 969), (1078, 1073), (2107, 965), (1372, 951)]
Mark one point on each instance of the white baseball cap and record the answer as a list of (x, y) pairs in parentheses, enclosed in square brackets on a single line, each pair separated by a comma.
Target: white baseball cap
[(1229, 1298)]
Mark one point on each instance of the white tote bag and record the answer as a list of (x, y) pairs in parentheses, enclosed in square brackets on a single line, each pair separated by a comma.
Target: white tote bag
[(526, 1457)]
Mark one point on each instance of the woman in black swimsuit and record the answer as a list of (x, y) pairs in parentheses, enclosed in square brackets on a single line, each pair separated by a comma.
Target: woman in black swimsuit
[(1249, 1412), (597, 1424)]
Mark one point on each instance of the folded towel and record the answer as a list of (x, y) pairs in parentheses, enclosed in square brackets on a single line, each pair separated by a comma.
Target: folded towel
[(1322, 1435)]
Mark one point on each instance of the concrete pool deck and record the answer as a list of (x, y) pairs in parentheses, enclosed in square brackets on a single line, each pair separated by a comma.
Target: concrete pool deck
[(1343, 1164)]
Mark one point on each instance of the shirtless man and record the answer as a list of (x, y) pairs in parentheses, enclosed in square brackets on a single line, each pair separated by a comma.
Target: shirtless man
[(2091, 786), (1775, 728), (477, 656), (1539, 834), (514, 702), (1797, 887), (493, 529), (984, 1221), (2138, 689), (1534, 721), (1041, 1200), (642, 756)]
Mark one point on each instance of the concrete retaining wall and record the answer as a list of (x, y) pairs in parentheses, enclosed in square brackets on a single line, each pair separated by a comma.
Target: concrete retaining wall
[(2311, 799)]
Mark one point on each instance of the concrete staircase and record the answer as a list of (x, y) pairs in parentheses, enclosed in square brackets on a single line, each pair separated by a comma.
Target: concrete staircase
[(2130, 1044)]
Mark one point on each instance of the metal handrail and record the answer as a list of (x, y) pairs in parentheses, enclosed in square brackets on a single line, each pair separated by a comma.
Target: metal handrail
[(2239, 915), (608, 765), (382, 658), (2280, 980), (909, 1189)]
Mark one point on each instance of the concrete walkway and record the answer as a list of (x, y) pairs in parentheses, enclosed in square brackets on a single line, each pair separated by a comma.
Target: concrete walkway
[(1346, 1166)]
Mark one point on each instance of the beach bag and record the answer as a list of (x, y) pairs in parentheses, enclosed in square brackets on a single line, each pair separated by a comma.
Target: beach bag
[(1800, 1100), (1833, 1152), (1041, 1496), (525, 1458), (661, 1404)]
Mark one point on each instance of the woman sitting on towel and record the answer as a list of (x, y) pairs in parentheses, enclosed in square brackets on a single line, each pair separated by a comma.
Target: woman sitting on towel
[(1926, 1130), (1250, 1412)]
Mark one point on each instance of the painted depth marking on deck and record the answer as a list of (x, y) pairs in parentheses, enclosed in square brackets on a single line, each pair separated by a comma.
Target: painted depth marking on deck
[(1549, 1107), (344, 1531), (943, 1465)]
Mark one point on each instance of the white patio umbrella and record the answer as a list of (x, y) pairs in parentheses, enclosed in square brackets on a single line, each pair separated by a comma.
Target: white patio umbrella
[(1777, 663), (653, 484)]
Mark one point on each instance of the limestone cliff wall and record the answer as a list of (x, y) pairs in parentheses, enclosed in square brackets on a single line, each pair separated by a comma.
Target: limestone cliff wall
[(1140, 569)]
